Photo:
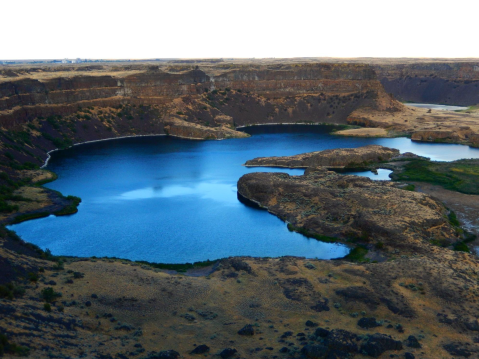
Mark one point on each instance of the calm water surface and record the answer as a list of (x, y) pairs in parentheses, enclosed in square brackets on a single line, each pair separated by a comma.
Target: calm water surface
[(169, 200), (437, 107)]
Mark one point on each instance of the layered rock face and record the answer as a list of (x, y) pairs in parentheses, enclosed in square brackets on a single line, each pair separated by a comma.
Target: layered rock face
[(350, 207), (455, 83), (335, 158), (42, 95)]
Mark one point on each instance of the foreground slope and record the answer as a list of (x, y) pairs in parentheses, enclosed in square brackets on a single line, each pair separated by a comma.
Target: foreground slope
[(116, 309)]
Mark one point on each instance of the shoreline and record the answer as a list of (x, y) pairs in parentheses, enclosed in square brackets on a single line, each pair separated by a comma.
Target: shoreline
[(92, 141), (293, 123), (132, 136)]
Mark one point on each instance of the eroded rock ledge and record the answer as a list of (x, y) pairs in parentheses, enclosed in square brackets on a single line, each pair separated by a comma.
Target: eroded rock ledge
[(335, 158)]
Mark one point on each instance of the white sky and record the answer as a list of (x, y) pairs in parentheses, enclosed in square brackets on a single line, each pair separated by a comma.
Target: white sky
[(100, 29)]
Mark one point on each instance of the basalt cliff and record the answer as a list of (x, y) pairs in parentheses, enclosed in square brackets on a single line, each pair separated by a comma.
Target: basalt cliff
[(444, 82)]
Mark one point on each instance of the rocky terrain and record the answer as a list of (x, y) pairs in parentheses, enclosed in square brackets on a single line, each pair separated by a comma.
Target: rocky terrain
[(421, 305), (420, 124), (325, 203), (335, 158), (407, 290), (353, 208)]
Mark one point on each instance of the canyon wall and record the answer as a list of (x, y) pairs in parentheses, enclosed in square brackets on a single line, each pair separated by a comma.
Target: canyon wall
[(26, 98), (452, 83)]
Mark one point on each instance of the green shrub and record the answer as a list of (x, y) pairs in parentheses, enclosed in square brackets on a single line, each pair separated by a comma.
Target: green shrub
[(357, 255), (78, 275), (5, 292), (58, 265), (365, 236), (28, 216), (453, 219), (11, 291), (461, 247), (29, 166), (49, 295), (461, 175), (410, 187), (308, 234), (7, 208), (51, 120), (439, 242), (60, 143), (47, 307), (179, 267), (11, 348), (71, 208), (47, 254), (33, 277)]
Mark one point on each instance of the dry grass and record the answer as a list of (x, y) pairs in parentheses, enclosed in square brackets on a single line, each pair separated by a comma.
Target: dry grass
[(364, 132), (156, 302)]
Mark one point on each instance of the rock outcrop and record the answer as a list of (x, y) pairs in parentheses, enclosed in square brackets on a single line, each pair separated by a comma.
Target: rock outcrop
[(322, 202), (419, 123), (335, 158)]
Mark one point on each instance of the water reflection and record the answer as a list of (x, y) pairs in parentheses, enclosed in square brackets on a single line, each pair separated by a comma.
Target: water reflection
[(215, 191), (437, 107)]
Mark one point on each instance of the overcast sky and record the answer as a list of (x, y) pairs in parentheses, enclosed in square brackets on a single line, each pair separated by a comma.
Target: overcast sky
[(99, 29)]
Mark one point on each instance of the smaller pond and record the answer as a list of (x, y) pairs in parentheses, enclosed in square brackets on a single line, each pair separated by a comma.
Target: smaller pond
[(381, 175), (433, 106)]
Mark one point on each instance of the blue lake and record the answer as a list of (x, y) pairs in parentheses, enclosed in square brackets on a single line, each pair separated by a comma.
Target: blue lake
[(169, 200)]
